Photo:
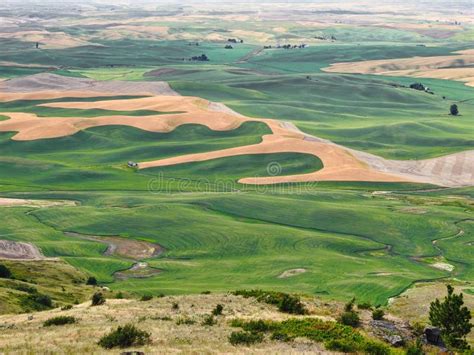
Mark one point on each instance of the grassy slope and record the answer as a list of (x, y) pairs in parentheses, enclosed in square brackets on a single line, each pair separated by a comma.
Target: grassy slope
[(63, 283), (252, 237)]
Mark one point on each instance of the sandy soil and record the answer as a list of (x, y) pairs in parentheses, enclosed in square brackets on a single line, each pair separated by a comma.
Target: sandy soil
[(125, 247), (291, 273), (19, 251), (458, 67), (12, 202), (340, 163)]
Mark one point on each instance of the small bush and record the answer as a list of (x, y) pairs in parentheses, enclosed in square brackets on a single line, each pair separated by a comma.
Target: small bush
[(291, 304), (342, 345), (185, 321), (92, 281), (119, 296), (146, 298), (208, 320), (418, 328), (5, 272), (124, 337), (349, 306), (257, 326), (205, 292), (285, 302), (365, 305), (378, 314), (349, 318), (415, 348), (98, 299), (374, 348), (217, 311), (66, 307), (60, 320), (175, 306), (245, 338), (26, 288)]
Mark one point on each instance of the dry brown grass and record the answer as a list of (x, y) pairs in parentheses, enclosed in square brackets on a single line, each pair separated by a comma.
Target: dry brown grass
[(20, 335), (454, 67)]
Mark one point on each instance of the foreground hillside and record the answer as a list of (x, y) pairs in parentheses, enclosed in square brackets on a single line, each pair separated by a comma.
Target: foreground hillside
[(185, 324)]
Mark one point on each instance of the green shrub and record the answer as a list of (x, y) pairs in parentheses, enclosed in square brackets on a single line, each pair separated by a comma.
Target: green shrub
[(208, 320), (98, 299), (364, 305), (375, 348), (217, 311), (124, 337), (415, 348), (350, 318), (91, 281), (258, 326), (5, 272), (60, 320), (378, 314), (119, 296), (245, 338), (342, 345), (36, 302), (205, 292), (291, 304), (146, 298), (66, 307), (185, 320), (285, 302), (349, 306), (26, 288), (335, 336)]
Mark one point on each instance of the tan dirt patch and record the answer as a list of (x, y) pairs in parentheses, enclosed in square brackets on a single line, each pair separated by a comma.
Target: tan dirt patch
[(12, 202), (19, 251), (291, 273), (125, 247)]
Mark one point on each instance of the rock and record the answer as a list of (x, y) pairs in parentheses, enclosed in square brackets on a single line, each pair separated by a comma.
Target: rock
[(433, 336), (394, 340)]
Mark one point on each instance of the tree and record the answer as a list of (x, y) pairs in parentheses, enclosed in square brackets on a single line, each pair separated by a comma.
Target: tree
[(452, 318), (5, 272), (454, 110)]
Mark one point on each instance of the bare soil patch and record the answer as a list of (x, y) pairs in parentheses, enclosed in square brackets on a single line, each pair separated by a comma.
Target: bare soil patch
[(124, 247), (19, 251), (291, 273), (139, 270), (12, 202)]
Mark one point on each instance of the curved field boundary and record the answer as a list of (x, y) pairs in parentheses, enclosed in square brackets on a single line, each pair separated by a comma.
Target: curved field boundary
[(454, 67), (340, 163)]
